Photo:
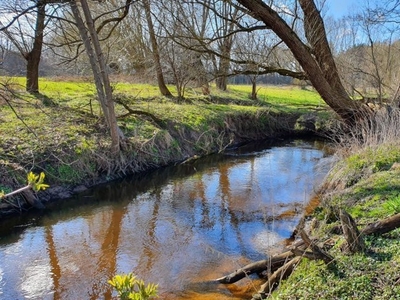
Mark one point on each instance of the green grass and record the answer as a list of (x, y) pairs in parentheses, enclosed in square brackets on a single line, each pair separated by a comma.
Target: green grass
[(364, 276), (61, 132), (284, 97)]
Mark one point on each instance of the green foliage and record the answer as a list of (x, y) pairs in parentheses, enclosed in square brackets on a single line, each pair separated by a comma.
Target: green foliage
[(286, 98), (67, 173), (392, 205), (131, 288), (69, 139), (36, 182), (371, 160)]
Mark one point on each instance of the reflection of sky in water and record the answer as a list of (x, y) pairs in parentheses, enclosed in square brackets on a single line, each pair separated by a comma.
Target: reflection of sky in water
[(169, 234)]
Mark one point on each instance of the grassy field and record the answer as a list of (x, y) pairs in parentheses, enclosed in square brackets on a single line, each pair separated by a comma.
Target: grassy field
[(285, 98)]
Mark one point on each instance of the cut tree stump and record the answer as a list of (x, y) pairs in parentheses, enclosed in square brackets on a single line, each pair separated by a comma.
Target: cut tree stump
[(355, 241)]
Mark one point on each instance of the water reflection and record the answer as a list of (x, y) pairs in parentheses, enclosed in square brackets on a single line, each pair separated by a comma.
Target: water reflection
[(179, 227)]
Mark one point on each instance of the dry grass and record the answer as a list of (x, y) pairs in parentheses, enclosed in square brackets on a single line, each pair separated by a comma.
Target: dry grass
[(380, 127)]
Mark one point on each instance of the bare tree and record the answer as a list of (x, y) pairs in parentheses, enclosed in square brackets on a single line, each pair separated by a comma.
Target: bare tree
[(314, 55), (28, 39), (131, 47), (255, 50), (156, 54), (186, 24), (91, 42)]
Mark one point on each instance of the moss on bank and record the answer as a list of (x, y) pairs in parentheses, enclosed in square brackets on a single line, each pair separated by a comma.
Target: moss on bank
[(61, 132)]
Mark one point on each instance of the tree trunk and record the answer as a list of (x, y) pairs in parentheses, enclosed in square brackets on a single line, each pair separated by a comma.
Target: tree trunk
[(33, 57), (112, 119), (253, 95), (156, 54), (225, 47), (201, 76), (222, 81), (224, 62), (318, 61), (103, 87)]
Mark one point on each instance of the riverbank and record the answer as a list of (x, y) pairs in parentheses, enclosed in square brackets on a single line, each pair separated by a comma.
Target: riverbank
[(60, 132), (365, 183)]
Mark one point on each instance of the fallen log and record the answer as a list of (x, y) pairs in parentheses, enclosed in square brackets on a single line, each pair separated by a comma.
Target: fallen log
[(382, 226), (273, 281), (271, 264)]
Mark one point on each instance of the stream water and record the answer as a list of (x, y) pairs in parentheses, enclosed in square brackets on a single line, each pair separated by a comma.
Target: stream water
[(180, 227)]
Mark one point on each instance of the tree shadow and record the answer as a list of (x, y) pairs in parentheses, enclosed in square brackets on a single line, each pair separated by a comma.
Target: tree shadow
[(46, 101)]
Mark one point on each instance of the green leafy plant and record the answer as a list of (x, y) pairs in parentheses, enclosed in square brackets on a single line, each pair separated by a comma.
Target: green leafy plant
[(35, 182), (131, 288)]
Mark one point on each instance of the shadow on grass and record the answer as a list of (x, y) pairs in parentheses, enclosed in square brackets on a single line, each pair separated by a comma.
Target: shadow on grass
[(46, 101)]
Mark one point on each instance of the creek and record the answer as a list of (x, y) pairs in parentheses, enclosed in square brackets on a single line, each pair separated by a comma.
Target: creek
[(180, 227)]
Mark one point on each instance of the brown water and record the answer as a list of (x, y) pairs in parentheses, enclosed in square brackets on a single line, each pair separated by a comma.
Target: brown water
[(181, 227)]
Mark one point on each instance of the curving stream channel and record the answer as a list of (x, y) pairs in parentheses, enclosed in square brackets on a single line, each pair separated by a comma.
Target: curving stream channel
[(180, 227)]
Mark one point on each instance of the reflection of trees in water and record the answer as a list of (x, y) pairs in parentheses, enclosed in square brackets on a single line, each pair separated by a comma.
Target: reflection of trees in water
[(54, 264), (108, 256), (92, 245), (153, 228)]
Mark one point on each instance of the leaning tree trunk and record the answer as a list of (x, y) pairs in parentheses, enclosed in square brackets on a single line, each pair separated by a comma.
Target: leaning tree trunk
[(156, 54), (96, 58), (316, 58), (33, 57)]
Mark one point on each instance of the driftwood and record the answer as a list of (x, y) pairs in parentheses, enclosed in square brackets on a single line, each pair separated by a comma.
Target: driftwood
[(355, 241), (282, 265), (273, 281), (382, 226), (271, 264), (315, 253)]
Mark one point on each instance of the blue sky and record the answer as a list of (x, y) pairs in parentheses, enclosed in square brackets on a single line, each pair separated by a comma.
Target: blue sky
[(340, 8)]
